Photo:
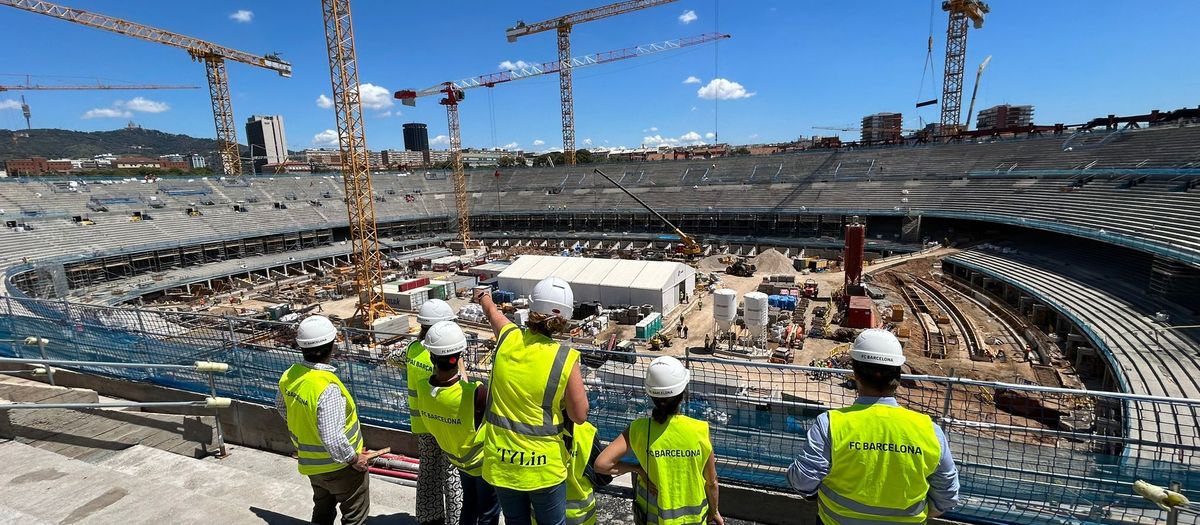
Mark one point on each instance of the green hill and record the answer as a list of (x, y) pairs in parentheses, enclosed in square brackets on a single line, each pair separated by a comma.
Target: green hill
[(61, 143)]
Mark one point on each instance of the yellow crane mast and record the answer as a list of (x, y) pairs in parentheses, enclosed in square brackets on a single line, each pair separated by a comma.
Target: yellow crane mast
[(213, 56), (562, 26), (356, 170)]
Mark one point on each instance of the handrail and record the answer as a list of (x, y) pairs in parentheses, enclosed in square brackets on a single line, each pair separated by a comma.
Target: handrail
[(209, 402), (198, 366), (210, 368)]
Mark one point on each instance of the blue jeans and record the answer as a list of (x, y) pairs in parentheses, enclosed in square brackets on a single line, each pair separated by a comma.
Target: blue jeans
[(549, 505), (480, 506)]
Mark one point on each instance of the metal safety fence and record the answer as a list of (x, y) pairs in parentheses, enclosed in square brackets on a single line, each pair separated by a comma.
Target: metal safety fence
[(1026, 454)]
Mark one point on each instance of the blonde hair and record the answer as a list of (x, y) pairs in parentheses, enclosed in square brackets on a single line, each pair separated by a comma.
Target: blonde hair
[(547, 325)]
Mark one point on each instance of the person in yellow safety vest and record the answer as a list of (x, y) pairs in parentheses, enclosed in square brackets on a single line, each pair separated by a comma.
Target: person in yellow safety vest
[(875, 462), (323, 422), (452, 408), (533, 379), (582, 477), (439, 488), (676, 469)]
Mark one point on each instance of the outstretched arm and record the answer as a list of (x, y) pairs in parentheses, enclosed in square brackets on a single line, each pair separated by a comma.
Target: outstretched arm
[(494, 316)]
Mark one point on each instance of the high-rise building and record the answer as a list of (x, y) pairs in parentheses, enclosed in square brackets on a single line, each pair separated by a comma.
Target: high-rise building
[(416, 137), (882, 128), (268, 144), (1004, 116)]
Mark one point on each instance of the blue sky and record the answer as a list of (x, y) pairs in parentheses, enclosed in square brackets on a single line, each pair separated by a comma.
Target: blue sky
[(800, 64)]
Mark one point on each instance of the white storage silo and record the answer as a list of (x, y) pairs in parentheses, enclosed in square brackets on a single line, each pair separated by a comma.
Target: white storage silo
[(724, 308), (756, 315)]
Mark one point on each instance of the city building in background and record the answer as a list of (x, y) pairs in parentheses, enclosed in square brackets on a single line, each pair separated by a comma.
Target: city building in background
[(1005, 116), (416, 138), (882, 128), (267, 141)]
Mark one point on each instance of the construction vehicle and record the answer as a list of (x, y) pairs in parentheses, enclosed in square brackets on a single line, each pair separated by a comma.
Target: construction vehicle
[(660, 341), (810, 289), (741, 268), (688, 246)]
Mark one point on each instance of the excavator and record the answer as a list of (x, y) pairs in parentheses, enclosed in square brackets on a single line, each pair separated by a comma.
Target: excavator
[(688, 246)]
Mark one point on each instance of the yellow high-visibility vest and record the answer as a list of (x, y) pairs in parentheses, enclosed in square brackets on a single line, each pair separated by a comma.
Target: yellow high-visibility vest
[(522, 447), (449, 414), (581, 502), (418, 368), (882, 457), (673, 455), (302, 387)]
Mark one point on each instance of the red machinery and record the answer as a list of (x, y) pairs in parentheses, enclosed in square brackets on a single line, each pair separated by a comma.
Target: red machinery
[(811, 289), (856, 241)]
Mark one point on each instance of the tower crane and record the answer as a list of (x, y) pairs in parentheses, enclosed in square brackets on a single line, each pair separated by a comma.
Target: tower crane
[(81, 87), (356, 170), (562, 26), (213, 56), (454, 92), (961, 11)]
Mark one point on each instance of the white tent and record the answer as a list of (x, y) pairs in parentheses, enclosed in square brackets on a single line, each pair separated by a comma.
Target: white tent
[(611, 282)]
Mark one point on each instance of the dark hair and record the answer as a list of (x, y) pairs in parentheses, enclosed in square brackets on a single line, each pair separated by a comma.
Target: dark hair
[(875, 376), (665, 407), (446, 363), (547, 325), (424, 330), (317, 354)]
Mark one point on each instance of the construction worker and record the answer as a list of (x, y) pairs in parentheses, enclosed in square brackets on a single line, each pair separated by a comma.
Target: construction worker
[(582, 477), (676, 469), (534, 378), (323, 422), (452, 408), (874, 461), (439, 488)]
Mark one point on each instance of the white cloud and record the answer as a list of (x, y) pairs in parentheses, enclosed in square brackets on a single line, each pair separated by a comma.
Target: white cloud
[(374, 97), (328, 137), (509, 65), (539, 142), (107, 113), (511, 145), (242, 16), (10, 104), (655, 141), (722, 89), (710, 135), (440, 140), (587, 142), (389, 113), (324, 102), (690, 136), (688, 17), (650, 129), (693, 108), (144, 105), (754, 135), (691, 80)]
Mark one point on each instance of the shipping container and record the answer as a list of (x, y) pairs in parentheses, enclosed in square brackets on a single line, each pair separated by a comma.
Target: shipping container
[(412, 284), (861, 313), (409, 300)]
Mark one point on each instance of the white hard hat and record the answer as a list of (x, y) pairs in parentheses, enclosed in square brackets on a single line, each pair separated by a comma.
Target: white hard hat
[(553, 296), (877, 346), (315, 330), (666, 377), (445, 338), (434, 311)]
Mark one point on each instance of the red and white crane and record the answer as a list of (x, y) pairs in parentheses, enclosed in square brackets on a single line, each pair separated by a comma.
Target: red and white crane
[(454, 92)]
